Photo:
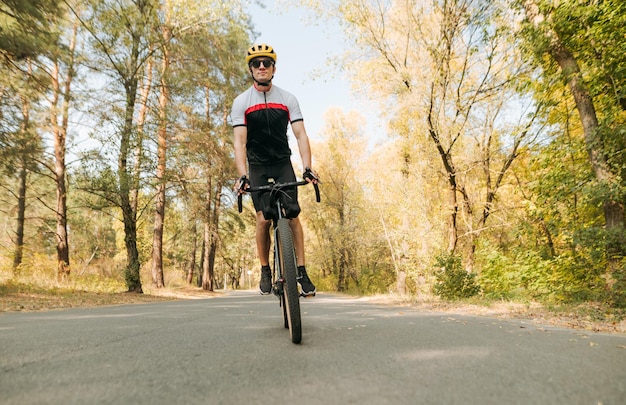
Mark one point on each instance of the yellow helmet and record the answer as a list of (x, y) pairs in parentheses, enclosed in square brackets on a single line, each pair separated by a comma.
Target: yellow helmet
[(260, 50)]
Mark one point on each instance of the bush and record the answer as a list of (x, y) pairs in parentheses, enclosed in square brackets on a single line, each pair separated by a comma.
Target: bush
[(453, 282), (528, 275), (498, 277)]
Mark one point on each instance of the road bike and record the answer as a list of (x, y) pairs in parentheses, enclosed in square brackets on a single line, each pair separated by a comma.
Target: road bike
[(286, 274)]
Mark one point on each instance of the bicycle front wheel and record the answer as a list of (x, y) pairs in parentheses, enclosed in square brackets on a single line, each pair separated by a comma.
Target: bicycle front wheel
[(291, 301)]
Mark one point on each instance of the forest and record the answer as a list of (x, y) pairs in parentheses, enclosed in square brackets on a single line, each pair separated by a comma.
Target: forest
[(501, 173)]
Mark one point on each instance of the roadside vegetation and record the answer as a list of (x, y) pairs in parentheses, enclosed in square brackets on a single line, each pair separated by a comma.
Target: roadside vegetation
[(41, 290)]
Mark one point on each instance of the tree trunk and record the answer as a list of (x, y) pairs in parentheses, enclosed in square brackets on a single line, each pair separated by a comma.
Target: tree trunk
[(446, 159), (157, 237), (133, 266), (63, 254), (21, 196), (207, 270), (212, 253), (192, 254), (401, 283), (209, 242), (141, 120), (211, 237), (340, 251), (132, 271), (341, 276), (613, 210), (21, 215), (201, 266)]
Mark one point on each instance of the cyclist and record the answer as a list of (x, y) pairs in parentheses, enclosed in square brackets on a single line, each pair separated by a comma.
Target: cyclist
[(260, 116)]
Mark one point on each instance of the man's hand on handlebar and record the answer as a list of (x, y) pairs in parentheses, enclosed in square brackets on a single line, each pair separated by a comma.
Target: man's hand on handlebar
[(310, 176), (242, 184)]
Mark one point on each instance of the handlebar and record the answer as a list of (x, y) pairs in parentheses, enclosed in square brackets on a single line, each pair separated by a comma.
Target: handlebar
[(278, 186)]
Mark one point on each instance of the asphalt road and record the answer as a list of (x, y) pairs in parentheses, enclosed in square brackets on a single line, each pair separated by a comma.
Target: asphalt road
[(234, 349)]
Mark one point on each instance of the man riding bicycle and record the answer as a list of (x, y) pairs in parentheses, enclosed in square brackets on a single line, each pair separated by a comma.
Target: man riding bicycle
[(260, 116)]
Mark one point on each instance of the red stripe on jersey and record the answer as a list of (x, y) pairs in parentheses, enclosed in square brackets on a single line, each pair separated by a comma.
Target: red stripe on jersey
[(272, 106)]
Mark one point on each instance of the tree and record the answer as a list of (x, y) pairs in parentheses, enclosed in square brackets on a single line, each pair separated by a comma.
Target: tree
[(568, 32), (181, 49), (337, 221), (21, 145), (450, 68), (27, 28), (52, 71), (26, 32), (120, 35), (155, 89), (59, 122), (164, 100)]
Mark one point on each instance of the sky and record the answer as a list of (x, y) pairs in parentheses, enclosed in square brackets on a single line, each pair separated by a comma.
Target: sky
[(303, 50)]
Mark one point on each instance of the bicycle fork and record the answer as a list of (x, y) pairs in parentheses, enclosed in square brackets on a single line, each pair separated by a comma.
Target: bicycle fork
[(279, 280)]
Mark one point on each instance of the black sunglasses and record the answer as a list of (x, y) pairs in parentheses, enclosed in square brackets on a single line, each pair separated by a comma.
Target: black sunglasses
[(256, 63)]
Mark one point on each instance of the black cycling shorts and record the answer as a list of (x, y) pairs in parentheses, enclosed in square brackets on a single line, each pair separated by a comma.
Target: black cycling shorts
[(281, 173)]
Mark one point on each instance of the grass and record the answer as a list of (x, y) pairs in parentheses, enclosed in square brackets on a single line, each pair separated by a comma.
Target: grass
[(36, 288), (590, 316), (19, 296)]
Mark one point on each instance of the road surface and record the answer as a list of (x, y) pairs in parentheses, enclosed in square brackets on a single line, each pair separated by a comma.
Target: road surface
[(233, 349)]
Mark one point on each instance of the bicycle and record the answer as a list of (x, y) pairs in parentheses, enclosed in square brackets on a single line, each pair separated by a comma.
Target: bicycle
[(286, 274)]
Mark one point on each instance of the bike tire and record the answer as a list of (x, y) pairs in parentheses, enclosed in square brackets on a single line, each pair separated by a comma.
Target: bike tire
[(287, 258)]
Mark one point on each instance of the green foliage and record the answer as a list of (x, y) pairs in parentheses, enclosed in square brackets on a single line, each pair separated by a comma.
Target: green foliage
[(453, 282), (527, 274), (592, 33), (560, 279), (376, 280), (327, 283), (27, 28), (498, 278)]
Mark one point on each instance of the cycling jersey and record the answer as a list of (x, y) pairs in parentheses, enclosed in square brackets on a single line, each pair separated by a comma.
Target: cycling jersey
[(266, 116)]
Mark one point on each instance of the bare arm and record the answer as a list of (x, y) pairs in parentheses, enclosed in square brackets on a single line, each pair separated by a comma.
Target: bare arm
[(303, 142), (305, 151), (241, 137)]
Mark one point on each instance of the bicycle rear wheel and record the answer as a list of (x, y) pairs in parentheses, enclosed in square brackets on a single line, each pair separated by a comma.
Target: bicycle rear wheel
[(291, 295)]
